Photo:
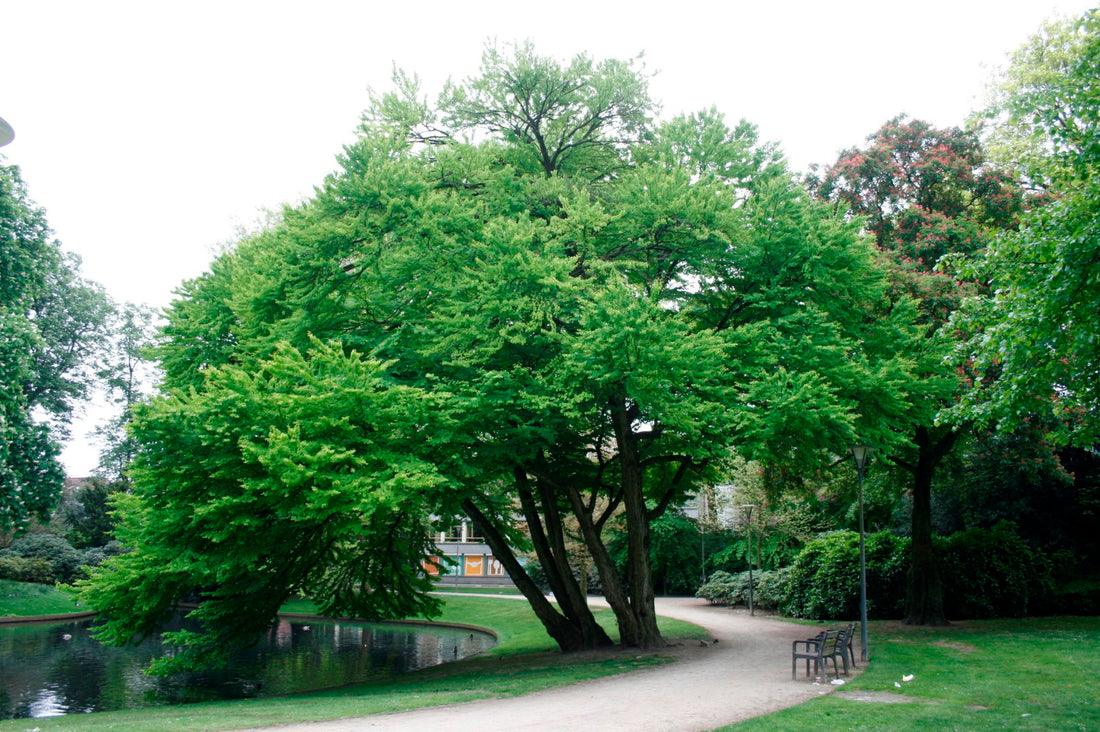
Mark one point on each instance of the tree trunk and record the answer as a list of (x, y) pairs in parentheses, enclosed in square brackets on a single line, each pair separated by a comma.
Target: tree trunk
[(924, 596), (571, 596), (613, 589), (565, 633), (645, 633)]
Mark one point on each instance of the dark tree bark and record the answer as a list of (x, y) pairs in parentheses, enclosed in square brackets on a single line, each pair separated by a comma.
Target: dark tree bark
[(613, 589), (566, 633), (645, 633), (924, 595), (554, 557)]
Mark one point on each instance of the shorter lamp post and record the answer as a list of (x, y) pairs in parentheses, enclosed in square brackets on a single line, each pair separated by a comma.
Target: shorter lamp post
[(747, 508), (859, 453)]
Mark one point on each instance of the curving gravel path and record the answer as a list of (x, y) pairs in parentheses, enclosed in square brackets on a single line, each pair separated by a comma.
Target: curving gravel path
[(746, 674)]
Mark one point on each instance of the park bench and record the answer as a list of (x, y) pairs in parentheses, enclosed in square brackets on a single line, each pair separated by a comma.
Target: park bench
[(829, 644), (848, 649)]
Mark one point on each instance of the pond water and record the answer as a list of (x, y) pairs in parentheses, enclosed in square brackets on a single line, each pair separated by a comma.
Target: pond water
[(50, 670)]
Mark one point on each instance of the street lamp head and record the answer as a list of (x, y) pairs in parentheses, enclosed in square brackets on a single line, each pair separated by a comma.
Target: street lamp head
[(859, 452), (7, 134)]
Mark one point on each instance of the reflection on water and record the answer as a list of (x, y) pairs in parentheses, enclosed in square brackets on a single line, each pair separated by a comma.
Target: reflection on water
[(49, 670)]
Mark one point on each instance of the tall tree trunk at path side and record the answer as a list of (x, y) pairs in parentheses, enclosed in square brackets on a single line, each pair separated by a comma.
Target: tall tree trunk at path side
[(548, 537), (613, 590), (567, 635), (645, 634), (924, 595)]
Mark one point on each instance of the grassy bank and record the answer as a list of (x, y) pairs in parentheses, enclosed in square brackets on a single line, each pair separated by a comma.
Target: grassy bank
[(1036, 674), (525, 660), (21, 599)]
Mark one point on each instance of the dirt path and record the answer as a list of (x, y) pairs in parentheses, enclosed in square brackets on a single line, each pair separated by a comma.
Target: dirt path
[(746, 674)]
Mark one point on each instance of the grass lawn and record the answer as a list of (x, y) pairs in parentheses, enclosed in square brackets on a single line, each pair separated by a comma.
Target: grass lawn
[(525, 660), (20, 599), (1035, 674)]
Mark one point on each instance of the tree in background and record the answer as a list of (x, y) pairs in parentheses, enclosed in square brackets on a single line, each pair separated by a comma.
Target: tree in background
[(126, 376), (1034, 336), (924, 193), (52, 326), (84, 514)]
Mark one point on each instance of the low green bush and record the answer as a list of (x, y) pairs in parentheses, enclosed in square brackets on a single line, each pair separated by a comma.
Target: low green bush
[(823, 583), (718, 589), (22, 569), (724, 588), (49, 559), (992, 573), (986, 573)]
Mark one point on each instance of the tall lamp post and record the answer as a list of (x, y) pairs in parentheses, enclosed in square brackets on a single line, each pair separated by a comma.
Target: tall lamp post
[(747, 508), (859, 453)]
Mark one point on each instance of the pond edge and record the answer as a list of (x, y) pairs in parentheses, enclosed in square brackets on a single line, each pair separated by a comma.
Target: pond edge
[(64, 617)]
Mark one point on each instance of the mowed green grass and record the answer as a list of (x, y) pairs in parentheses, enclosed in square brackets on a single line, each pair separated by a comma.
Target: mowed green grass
[(22, 599), (1025, 674)]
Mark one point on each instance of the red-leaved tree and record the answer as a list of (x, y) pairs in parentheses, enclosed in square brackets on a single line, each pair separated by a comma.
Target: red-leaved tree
[(925, 193)]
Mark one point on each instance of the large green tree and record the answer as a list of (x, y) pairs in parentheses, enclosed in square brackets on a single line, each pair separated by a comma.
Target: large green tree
[(594, 306), (52, 324), (1035, 335), (924, 193)]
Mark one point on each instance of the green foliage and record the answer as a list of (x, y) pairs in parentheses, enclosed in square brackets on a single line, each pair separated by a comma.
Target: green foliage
[(47, 559), (125, 374), (993, 573), (576, 119), (51, 326), (986, 573), (300, 477), (599, 306), (770, 587), (1033, 337), (85, 514), (674, 553), (824, 579), (23, 569)]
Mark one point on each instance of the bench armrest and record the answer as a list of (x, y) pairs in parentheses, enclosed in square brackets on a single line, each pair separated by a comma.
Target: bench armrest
[(810, 644)]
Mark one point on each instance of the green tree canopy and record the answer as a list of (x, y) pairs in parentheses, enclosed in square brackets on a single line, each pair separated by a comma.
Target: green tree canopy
[(594, 307), (297, 476), (52, 324), (1035, 335), (925, 193)]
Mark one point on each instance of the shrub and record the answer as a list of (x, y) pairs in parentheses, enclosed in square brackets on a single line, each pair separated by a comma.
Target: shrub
[(771, 587), (724, 588), (986, 573), (58, 560), (992, 573), (718, 589), (823, 583), (22, 569)]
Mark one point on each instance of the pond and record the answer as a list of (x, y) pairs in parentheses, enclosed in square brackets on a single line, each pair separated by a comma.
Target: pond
[(50, 670)]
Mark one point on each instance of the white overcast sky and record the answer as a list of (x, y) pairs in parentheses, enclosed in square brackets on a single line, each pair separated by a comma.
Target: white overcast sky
[(152, 131)]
